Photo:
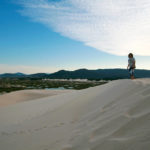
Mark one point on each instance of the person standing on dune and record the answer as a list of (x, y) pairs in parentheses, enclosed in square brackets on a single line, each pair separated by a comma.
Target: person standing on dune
[(131, 65)]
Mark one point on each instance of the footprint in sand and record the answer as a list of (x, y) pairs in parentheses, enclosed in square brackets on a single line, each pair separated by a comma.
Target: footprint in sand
[(61, 123), (127, 115), (29, 130), (92, 138), (37, 129), (21, 132), (72, 122), (67, 147), (4, 133), (102, 110)]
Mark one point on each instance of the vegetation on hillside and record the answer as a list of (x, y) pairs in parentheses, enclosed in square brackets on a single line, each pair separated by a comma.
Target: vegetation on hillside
[(8, 85)]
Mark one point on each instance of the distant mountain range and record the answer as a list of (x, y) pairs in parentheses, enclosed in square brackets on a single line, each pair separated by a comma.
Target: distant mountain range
[(82, 74), (13, 75)]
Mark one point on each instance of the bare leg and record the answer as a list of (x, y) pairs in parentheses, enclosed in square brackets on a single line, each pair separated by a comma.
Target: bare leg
[(132, 77)]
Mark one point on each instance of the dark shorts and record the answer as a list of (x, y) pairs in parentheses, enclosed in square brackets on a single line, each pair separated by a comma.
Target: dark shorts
[(131, 71)]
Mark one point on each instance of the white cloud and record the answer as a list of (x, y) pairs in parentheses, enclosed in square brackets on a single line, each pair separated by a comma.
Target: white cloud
[(113, 26), (25, 69)]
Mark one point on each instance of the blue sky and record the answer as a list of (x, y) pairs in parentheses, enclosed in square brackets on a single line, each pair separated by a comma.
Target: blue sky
[(38, 36)]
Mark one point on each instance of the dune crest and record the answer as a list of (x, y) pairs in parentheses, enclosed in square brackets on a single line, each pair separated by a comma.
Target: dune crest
[(114, 116), (27, 95)]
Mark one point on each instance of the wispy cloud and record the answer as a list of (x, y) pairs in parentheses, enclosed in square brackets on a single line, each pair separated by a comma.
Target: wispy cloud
[(112, 26)]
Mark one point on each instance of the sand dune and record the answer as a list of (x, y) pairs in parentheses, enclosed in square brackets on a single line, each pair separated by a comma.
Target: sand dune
[(114, 116), (27, 95)]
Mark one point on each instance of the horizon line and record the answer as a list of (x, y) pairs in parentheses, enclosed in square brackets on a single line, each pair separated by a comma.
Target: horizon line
[(69, 70)]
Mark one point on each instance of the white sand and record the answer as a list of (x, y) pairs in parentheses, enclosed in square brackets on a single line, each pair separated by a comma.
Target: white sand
[(26, 95), (114, 116)]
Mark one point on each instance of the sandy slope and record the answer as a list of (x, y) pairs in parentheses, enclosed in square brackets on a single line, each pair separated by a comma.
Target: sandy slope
[(26, 95), (114, 116)]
